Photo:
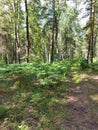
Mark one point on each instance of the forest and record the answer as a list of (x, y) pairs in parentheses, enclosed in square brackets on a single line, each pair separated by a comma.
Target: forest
[(49, 65)]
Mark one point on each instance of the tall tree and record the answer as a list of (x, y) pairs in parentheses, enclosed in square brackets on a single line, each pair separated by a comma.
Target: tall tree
[(90, 54), (53, 32), (27, 32)]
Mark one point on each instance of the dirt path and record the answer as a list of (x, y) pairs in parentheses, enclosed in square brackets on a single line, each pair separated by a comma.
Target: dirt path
[(82, 103), (65, 108)]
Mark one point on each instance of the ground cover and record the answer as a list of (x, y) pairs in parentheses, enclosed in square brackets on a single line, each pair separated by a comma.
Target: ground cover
[(48, 97)]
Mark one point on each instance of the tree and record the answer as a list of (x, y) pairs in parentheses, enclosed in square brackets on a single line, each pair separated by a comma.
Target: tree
[(27, 32), (53, 31), (90, 54)]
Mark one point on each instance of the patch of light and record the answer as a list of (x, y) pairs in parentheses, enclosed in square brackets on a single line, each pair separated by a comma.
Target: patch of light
[(70, 3), (42, 2), (82, 13), (23, 6)]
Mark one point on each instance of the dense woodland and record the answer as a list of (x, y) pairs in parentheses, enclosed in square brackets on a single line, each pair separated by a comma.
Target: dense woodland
[(48, 30), (48, 64)]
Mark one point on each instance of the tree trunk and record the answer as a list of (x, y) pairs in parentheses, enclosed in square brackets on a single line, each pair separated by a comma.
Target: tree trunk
[(89, 49), (53, 32), (91, 42), (18, 40), (90, 46), (91, 29), (5, 48), (56, 37), (27, 32)]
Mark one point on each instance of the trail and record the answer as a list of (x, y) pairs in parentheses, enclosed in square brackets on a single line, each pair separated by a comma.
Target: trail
[(82, 103), (65, 108)]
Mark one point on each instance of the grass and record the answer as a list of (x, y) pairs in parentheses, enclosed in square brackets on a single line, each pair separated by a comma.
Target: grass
[(32, 95), (35, 96)]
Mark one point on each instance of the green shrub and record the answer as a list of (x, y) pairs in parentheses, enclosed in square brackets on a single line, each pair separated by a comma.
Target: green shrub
[(93, 66), (43, 73), (84, 64), (2, 111)]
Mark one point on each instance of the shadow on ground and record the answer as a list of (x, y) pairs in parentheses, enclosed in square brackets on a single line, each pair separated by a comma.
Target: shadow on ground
[(70, 105)]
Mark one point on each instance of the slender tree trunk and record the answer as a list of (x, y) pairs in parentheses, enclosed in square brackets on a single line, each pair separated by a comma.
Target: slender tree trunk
[(27, 32), (18, 50), (46, 51), (90, 45), (92, 19), (66, 45), (93, 22), (12, 52), (49, 49), (5, 50), (89, 49), (91, 28), (56, 37), (15, 45), (53, 32), (15, 33), (18, 40), (95, 39)]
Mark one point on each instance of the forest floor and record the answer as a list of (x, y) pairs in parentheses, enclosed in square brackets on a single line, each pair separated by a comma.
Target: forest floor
[(82, 102), (72, 105)]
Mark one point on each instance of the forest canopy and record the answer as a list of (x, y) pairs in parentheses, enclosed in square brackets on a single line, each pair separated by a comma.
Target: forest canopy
[(48, 30)]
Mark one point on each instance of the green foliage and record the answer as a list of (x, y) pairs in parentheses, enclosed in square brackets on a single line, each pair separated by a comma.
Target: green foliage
[(94, 66), (32, 92), (41, 73), (23, 126), (2, 111), (84, 64)]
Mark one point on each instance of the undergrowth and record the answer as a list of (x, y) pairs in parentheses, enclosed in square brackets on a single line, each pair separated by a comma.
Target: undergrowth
[(31, 95), (88, 66)]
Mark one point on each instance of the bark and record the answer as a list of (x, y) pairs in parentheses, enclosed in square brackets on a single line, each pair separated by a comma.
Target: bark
[(66, 45), (18, 40), (15, 34), (46, 51), (56, 36), (5, 48), (91, 28), (91, 40), (12, 52), (27, 32), (90, 44), (95, 40), (93, 21), (53, 32)]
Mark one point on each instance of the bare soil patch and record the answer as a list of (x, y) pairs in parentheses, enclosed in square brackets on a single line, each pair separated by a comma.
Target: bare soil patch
[(82, 103)]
